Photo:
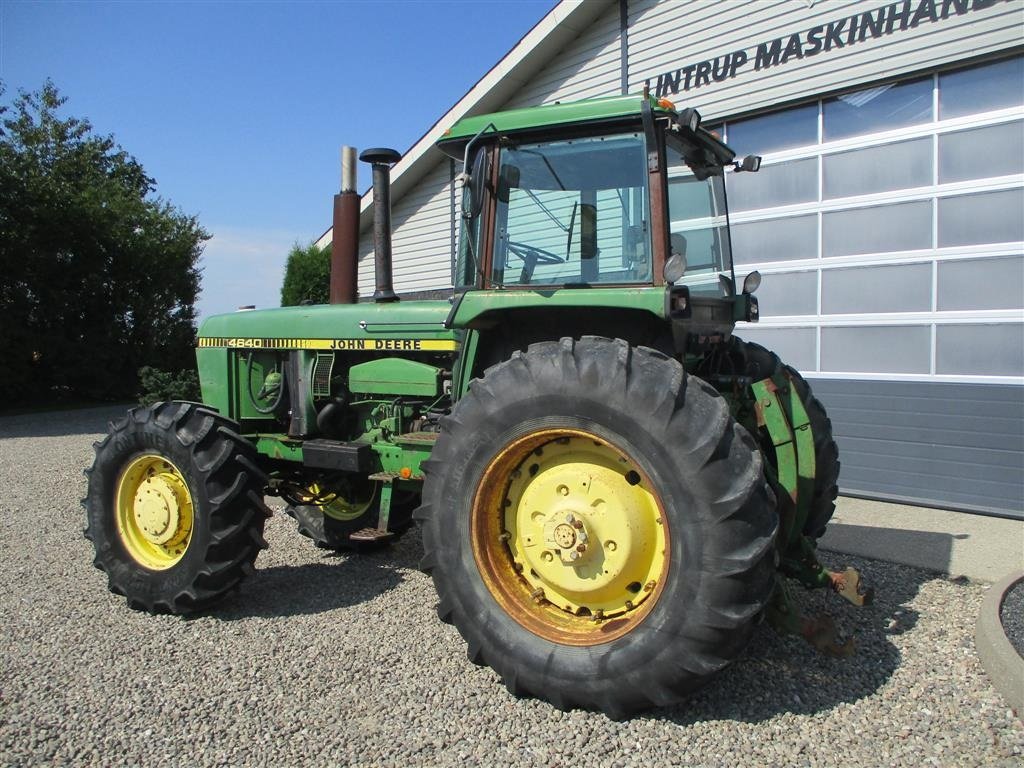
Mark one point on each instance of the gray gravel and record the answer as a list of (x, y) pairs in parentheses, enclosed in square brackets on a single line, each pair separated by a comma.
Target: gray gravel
[(327, 660), (1012, 616)]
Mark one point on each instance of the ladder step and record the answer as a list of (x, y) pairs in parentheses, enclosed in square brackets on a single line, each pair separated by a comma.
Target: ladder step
[(370, 534)]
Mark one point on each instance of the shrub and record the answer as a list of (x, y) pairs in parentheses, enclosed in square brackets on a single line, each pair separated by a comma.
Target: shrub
[(160, 385)]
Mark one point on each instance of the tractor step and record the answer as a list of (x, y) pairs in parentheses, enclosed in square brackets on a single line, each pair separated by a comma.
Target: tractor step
[(370, 534)]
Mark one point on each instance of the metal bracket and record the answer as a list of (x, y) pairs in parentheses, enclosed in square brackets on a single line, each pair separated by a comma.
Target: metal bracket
[(384, 511), (779, 410), (849, 586), (820, 632)]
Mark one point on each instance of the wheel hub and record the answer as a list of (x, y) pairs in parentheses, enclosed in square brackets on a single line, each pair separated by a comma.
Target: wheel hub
[(158, 509), (567, 536), (583, 530), (154, 512)]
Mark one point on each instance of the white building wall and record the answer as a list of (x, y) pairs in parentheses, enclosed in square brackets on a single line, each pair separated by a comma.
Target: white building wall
[(421, 240), (589, 67)]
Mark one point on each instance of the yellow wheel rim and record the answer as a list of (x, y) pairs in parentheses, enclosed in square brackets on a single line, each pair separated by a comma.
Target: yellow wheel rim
[(570, 537), (346, 509), (155, 514)]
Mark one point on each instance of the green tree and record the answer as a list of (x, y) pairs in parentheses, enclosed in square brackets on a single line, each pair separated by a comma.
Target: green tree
[(100, 277), (307, 276)]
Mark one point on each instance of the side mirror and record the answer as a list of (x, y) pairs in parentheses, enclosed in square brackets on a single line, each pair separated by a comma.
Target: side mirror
[(751, 163), (473, 202)]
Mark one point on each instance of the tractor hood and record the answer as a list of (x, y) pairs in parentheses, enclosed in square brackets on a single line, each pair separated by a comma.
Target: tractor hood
[(408, 326)]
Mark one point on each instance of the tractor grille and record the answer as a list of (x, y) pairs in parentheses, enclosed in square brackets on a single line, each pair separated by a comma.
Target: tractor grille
[(322, 374)]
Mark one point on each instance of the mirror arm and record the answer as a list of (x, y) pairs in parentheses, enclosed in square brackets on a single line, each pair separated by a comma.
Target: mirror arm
[(465, 176)]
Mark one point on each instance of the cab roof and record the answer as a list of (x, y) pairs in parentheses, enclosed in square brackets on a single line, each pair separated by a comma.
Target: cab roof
[(560, 114)]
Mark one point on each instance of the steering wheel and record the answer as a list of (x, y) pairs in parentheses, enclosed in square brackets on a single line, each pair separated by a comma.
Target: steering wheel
[(533, 255)]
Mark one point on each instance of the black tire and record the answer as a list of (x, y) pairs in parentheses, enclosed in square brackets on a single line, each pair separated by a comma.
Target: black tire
[(704, 467), (761, 363), (218, 468), (330, 533)]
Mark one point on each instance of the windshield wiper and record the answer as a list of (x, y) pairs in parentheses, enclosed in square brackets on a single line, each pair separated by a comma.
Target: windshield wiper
[(533, 196)]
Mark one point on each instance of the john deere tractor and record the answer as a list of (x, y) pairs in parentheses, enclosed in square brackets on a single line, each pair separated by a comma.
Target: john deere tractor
[(612, 487)]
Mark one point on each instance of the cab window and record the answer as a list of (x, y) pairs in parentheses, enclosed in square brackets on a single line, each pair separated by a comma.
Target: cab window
[(573, 212)]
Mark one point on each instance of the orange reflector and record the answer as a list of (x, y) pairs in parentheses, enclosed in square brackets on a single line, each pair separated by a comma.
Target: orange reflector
[(666, 104), (406, 473)]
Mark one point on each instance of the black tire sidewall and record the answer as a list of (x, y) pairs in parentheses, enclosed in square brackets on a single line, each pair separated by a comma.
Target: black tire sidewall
[(643, 665), (137, 581)]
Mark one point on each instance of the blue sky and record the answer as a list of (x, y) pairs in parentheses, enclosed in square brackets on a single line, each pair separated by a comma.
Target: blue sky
[(238, 109)]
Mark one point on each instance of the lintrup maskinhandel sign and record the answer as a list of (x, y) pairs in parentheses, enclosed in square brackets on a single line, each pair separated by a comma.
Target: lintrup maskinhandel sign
[(847, 31)]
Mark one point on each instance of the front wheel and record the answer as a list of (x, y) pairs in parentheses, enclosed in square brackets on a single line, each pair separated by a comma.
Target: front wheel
[(175, 510), (597, 526)]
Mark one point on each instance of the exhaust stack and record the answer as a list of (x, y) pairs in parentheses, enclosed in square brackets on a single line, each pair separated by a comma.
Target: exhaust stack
[(382, 160), (345, 234)]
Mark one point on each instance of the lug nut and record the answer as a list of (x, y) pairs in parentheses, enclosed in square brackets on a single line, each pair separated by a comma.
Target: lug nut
[(581, 548), (577, 524)]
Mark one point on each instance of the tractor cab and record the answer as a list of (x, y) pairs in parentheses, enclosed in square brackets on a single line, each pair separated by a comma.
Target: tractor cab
[(617, 192)]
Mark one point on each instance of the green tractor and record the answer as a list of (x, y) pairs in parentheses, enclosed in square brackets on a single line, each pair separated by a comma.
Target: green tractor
[(612, 488)]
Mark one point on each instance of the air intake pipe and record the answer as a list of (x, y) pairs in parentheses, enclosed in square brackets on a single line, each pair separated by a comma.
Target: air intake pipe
[(345, 234), (382, 160)]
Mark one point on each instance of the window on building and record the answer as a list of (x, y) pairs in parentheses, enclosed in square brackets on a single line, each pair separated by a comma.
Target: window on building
[(981, 89), (774, 132), (880, 108), (900, 165), (961, 160), (902, 213)]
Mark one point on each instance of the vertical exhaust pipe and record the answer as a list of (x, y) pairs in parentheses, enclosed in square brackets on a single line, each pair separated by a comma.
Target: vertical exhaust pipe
[(382, 160), (345, 234)]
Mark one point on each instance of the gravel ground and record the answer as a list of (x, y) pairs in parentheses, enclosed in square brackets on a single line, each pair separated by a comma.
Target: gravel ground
[(331, 660), (1012, 616)]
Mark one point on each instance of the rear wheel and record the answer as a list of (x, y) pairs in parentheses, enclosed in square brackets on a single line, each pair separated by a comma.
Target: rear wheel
[(597, 526), (175, 508)]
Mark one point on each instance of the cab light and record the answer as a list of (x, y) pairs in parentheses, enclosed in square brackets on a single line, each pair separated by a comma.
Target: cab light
[(666, 104)]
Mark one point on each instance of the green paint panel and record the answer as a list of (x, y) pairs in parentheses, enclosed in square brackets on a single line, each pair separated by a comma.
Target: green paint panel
[(278, 447), (477, 305), (395, 376), (216, 378), (376, 326), (395, 458), (552, 115)]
